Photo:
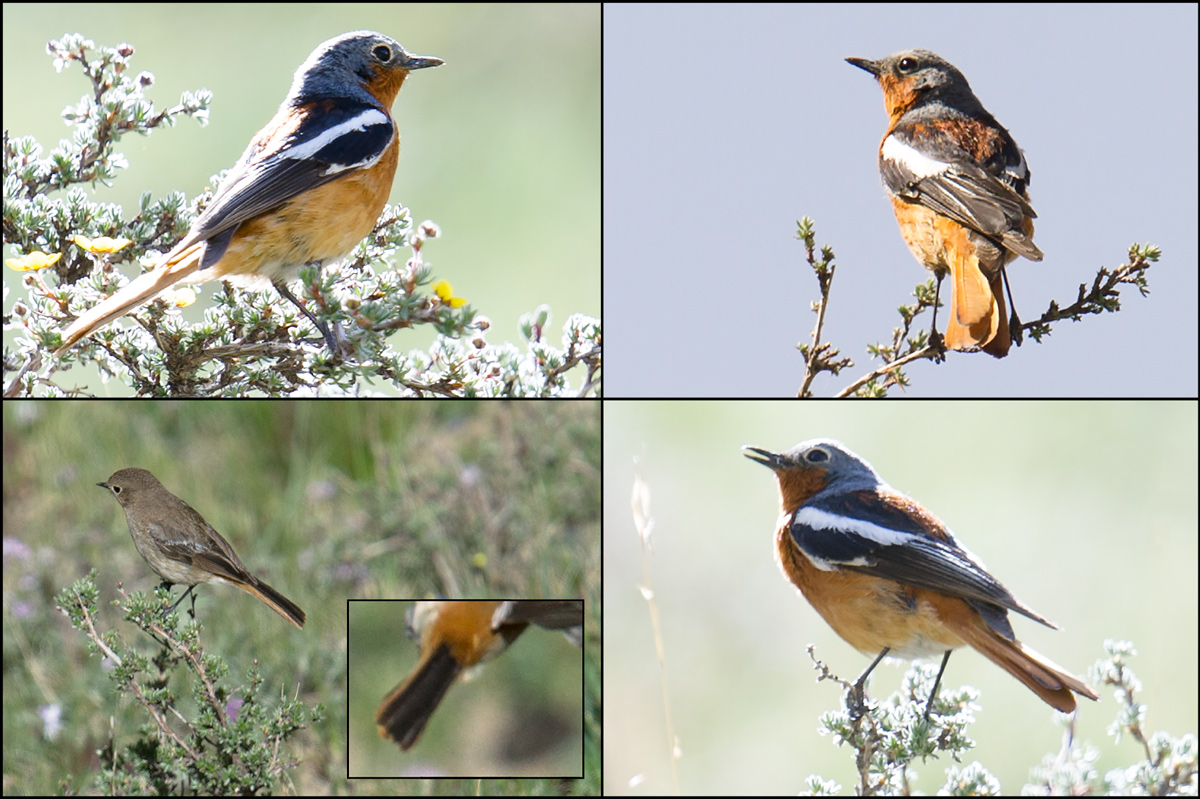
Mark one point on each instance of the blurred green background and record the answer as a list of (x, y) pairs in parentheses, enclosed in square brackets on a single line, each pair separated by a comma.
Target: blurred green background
[(1086, 511), (326, 501), (500, 146)]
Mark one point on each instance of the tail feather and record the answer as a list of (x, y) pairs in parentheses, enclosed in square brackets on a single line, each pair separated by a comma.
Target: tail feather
[(998, 346), (1040, 675), (139, 291), (403, 713), (274, 600), (977, 317)]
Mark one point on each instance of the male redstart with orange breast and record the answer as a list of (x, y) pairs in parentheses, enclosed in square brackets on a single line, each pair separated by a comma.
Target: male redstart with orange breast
[(889, 577), (308, 188), (957, 181)]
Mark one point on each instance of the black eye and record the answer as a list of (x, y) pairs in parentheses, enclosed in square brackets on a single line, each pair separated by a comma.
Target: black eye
[(116, 489), (816, 456), (382, 53), (908, 64)]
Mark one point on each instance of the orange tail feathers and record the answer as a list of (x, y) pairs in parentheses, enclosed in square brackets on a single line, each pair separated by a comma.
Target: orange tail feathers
[(139, 291), (1040, 675), (274, 600), (977, 313), (998, 346)]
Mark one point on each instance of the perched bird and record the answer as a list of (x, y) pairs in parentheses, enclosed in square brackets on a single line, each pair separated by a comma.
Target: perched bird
[(957, 182), (307, 190), (889, 577)]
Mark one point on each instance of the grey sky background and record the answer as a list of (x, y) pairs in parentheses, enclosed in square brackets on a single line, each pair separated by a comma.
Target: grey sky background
[(725, 124)]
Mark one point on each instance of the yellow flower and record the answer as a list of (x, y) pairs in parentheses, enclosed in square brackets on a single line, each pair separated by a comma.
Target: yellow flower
[(31, 262), (446, 294), (101, 243)]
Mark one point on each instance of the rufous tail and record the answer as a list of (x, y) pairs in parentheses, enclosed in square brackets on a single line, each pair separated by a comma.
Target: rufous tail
[(977, 315), (1046, 679), (139, 291), (274, 600)]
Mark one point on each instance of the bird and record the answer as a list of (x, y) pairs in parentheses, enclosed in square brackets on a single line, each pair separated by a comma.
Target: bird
[(308, 188), (889, 577), (958, 185), (456, 635)]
